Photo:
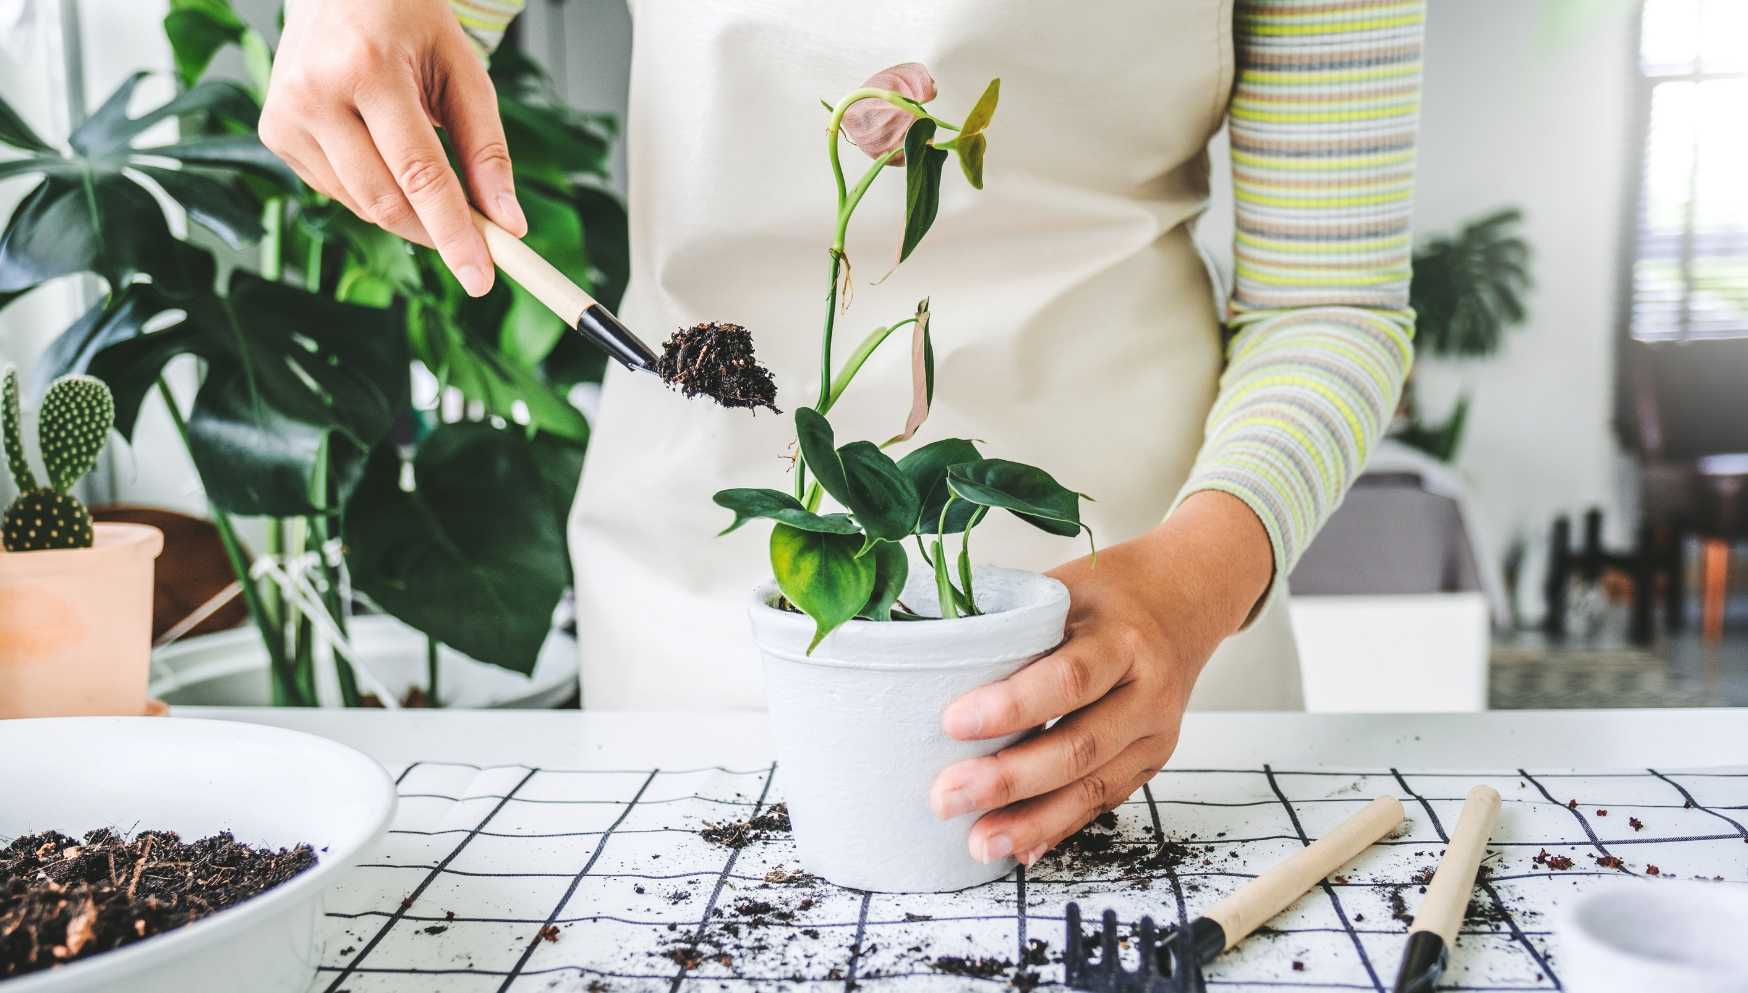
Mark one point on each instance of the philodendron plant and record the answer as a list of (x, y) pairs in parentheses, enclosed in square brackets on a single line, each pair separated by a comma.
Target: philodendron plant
[(77, 412), (836, 567)]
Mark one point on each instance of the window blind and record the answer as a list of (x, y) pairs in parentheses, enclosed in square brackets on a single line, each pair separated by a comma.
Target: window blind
[(1690, 252)]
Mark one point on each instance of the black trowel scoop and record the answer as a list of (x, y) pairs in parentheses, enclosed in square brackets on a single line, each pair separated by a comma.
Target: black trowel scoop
[(714, 360)]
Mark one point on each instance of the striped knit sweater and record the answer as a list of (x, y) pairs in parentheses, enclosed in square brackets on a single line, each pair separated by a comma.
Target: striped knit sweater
[(1325, 104)]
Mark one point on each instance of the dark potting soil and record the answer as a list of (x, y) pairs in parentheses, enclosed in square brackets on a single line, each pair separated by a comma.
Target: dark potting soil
[(716, 360), (739, 834), (63, 899)]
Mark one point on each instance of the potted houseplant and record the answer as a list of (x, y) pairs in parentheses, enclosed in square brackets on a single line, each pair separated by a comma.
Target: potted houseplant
[(353, 404), (863, 647), (75, 598)]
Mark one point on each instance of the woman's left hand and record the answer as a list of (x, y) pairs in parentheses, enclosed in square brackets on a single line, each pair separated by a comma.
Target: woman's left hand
[(1141, 624)]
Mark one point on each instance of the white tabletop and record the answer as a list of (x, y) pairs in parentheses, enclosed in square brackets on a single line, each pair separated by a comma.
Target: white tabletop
[(1593, 739)]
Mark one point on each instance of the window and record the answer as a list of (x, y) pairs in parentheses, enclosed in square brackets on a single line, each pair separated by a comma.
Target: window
[(1690, 246)]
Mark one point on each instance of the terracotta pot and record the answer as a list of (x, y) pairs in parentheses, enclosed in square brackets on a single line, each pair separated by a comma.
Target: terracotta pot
[(76, 626), (857, 726)]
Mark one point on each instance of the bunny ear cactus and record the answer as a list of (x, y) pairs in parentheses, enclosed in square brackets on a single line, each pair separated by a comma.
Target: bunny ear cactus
[(76, 415)]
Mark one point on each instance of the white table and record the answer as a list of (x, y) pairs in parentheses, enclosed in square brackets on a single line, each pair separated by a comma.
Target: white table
[(512, 823)]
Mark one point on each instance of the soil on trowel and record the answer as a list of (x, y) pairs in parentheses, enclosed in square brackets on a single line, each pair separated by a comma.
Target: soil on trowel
[(716, 360), (63, 899)]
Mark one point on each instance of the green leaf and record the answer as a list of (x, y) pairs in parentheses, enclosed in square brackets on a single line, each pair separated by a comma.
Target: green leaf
[(447, 342), (484, 525), (922, 184), (104, 225), (752, 504), (891, 568), (927, 468), (212, 202), (1030, 493), (813, 433), (16, 133), (289, 375), (197, 29), (970, 150), (881, 496), (109, 130), (822, 575), (983, 111)]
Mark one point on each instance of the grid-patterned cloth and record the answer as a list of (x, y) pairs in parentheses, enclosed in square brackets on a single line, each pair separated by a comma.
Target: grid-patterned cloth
[(611, 866)]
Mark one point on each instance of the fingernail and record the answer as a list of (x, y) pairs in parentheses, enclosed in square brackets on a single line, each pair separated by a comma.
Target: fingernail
[(472, 280), (962, 722), (511, 211), (953, 803), (997, 847)]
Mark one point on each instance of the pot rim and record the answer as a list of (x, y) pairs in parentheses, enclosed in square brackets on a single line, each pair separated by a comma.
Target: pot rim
[(1031, 623), (111, 541)]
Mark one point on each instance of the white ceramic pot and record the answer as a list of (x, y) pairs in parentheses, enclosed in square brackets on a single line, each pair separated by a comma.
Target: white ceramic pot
[(857, 726), (266, 785), (1630, 936), (229, 669)]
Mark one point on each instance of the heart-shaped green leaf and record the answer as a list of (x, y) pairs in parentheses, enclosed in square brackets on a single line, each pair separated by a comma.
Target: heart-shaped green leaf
[(483, 525), (927, 468), (813, 434), (891, 568), (1030, 493), (922, 184), (881, 496), (752, 504), (822, 575)]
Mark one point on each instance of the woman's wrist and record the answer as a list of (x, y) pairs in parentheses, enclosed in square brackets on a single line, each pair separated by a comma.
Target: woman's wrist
[(1220, 549)]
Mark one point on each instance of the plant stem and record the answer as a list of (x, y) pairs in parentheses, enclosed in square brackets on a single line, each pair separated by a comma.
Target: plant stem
[(965, 561), (853, 364), (431, 670), (284, 688)]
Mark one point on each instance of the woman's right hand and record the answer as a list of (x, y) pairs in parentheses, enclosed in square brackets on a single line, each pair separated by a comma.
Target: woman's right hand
[(356, 94)]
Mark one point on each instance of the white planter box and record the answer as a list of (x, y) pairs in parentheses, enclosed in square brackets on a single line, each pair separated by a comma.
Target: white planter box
[(1393, 654)]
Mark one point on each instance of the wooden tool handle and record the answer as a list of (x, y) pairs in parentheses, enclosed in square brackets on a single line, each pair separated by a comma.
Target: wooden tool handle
[(1447, 896), (1272, 892), (533, 273)]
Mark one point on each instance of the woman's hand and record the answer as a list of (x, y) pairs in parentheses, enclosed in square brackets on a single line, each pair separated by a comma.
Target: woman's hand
[(1141, 624), (355, 92)]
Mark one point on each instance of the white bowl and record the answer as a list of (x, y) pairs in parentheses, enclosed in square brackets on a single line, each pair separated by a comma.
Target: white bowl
[(1631, 936), (266, 785)]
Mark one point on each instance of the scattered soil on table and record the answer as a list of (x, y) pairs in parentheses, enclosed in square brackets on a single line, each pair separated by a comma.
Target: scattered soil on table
[(988, 967), (1104, 849), (716, 360), (759, 827), (63, 899), (1552, 861)]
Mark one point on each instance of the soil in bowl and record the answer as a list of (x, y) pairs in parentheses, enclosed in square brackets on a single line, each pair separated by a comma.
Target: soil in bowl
[(716, 360), (63, 899)]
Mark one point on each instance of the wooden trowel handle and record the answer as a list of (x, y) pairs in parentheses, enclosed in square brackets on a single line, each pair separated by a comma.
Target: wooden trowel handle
[(1273, 891), (533, 273), (1447, 896)]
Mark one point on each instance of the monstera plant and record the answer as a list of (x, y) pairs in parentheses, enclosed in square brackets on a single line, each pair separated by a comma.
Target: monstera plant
[(308, 328)]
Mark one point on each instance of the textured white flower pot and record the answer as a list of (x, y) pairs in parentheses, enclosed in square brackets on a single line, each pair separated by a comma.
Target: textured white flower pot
[(858, 726)]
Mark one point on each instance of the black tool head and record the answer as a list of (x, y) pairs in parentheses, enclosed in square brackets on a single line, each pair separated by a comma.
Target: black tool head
[(1173, 965)]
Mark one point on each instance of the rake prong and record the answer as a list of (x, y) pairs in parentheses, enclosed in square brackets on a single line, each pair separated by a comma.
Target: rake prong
[(1149, 964), (1074, 959), (1109, 962)]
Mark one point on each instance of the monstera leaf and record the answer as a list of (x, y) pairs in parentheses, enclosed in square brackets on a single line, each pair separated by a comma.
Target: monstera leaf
[(483, 524), (93, 213), (290, 377)]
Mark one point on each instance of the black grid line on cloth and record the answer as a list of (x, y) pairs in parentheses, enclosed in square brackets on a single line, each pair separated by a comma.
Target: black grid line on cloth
[(856, 945), (933, 919), (1695, 804), (576, 880), (722, 880), (1517, 933), (571, 803), (1328, 890), (1177, 890), (406, 904), (1020, 916), (407, 772), (1583, 822)]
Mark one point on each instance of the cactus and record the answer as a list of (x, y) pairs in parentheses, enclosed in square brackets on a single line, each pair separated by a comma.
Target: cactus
[(74, 421)]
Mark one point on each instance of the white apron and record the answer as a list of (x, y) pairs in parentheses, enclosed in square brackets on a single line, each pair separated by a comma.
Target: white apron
[(1073, 323)]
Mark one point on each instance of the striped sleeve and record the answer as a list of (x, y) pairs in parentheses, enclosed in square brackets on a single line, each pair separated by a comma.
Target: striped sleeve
[(1325, 105), (485, 21)]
